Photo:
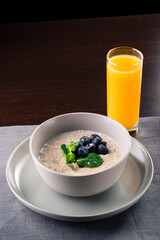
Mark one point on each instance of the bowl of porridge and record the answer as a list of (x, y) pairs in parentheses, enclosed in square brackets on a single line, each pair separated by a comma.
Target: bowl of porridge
[(80, 154)]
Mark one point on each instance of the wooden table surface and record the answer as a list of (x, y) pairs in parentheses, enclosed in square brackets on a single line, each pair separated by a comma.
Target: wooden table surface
[(53, 67)]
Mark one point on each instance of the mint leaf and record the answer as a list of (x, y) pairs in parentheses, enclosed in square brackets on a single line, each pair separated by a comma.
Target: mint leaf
[(68, 150), (70, 158), (92, 160), (72, 146), (65, 149)]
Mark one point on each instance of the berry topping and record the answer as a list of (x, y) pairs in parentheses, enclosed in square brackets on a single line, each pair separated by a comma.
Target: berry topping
[(102, 149), (84, 140), (91, 147), (78, 145), (82, 151), (96, 141), (93, 136)]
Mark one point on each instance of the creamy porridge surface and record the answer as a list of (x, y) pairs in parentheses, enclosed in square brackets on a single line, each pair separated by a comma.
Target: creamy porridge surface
[(53, 158)]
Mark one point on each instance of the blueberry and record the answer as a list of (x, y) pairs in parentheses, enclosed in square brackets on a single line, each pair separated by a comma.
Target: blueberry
[(76, 149), (84, 140), (102, 149), (93, 136), (78, 145), (91, 147), (97, 140), (82, 151)]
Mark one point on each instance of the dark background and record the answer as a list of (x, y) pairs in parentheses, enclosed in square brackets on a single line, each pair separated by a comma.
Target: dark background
[(64, 11), (53, 67)]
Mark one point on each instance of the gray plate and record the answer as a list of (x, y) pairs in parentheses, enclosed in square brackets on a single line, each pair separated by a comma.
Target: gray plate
[(27, 185)]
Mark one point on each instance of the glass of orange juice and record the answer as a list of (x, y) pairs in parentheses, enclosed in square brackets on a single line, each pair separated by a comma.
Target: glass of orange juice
[(124, 77)]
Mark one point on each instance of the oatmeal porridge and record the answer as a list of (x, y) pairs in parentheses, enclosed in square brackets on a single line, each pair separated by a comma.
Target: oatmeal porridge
[(52, 156)]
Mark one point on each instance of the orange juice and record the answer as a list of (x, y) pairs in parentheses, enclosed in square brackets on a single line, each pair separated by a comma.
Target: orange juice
[(123, 89)]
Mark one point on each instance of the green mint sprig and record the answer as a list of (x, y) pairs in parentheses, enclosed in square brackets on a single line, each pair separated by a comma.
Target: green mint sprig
[(68, 150)]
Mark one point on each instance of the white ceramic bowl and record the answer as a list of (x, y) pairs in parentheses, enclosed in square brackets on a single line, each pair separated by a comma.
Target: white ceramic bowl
[(85, 185)]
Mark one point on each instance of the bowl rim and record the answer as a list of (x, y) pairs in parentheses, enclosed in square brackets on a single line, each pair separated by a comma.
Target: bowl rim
[(78, 113)]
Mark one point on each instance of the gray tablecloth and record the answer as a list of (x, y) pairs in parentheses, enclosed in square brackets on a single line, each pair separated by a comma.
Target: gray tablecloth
[(141, 221)]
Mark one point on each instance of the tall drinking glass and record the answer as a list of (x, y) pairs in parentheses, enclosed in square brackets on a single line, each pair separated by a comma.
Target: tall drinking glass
[(124, 76)]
